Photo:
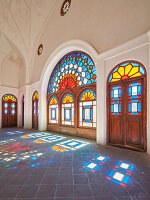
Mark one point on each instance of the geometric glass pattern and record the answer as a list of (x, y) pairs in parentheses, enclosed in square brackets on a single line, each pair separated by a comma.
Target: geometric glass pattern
[(74, 69), (125, 71), (72, 144), (35, 99), (121, 173), (116, 100), (134, 99), (13, 108), (5, 108), (53, 110), (95, 163), (9, 97), (68, 110), (87, 109), (65, 7)]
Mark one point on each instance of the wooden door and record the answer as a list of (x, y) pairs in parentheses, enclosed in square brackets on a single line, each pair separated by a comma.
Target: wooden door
[(134, 112), (23, 111), (35, 112), (126, 113), (9, 114)]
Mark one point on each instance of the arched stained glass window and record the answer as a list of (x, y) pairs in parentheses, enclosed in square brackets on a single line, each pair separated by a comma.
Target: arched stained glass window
[(9, 97), (87, 109), (74, 69), (35, 95), (126, 70), (53, 110), (68, 110)]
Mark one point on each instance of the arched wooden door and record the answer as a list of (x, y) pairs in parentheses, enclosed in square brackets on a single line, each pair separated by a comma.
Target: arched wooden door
[(35, 110), (9, 110), (126, 106), (23, 111)]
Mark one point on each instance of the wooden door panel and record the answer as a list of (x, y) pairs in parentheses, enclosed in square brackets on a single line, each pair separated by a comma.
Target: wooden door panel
[(115, 130), (134, 129)]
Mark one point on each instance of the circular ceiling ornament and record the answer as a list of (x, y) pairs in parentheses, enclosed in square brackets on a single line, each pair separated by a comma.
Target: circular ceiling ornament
[(40, 49), (65, 7)]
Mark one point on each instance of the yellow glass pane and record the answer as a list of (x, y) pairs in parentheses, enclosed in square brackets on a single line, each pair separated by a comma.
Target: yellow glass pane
[(121, 71), (133, 71), (116, 75), (127, 69), (115, 79), (135, 75)]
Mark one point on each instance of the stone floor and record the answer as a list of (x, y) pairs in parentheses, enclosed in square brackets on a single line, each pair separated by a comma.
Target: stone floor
[(34, 167)]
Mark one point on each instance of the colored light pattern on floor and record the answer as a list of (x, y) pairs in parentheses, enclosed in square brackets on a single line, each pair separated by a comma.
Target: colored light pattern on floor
[(35, 135), (13, 148), (14, 132), (72, 144), (29, 164), (7, 141), (121, 173), (48, 139), (95, 163), (59, 149)]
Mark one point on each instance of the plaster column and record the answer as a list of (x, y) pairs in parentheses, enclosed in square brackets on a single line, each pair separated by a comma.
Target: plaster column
[(101, 106), (0, 111), (27, 108), (42, 121), (148, 98)]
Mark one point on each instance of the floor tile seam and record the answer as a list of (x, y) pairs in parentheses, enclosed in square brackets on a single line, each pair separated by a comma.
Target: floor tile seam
[(41, 183)]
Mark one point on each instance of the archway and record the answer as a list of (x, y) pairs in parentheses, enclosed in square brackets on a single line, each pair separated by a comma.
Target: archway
[(9, 110), (35, 109), (73, 73), (126, 105)]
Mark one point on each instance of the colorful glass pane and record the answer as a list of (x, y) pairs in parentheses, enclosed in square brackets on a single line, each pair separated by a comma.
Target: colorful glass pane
[(68, 98), (116, 100), (134, 92), (73, 70), (88, 95), (65, 7), (53, 101), (9, 97), (125, 71), (40, 49), (35, 95)]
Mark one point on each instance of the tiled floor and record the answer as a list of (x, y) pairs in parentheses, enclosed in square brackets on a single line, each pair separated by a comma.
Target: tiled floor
[(43, 169)]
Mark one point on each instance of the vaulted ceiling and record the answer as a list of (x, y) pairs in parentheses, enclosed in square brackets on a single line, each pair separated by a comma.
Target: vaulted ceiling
[(24, 24)]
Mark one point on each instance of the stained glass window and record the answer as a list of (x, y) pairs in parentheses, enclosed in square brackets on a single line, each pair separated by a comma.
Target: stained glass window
[(74, 69), (35, 102), (134, 99), (87, 109), (116, 100), (53, 110), (68, 110), (5, 108), (9, 97), (126, 70), (35, 95), (65, 7), (13, 108)]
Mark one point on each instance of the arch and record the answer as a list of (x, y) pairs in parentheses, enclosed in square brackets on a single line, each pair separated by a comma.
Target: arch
[(127, 105), (126, 69), (67, 110), (9, 110), (35, 109), (65, 48), (74, 69), (35, 95)]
